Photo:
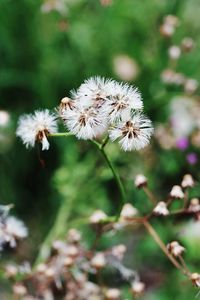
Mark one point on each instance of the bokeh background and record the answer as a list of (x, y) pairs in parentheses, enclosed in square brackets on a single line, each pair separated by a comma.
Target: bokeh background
[(47, 49)]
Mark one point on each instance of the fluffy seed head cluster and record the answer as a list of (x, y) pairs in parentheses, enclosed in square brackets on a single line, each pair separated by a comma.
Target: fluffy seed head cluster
[(104, 105), (36, 127)]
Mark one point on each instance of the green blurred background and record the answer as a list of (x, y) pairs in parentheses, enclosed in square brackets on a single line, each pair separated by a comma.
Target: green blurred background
[(45, 55)]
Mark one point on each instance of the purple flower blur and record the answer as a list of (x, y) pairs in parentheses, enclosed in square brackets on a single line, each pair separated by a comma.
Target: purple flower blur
[(182, 143), (192, 158)]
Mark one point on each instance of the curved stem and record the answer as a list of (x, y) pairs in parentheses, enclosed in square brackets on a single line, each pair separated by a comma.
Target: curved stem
[(115, 174), (157, 239)]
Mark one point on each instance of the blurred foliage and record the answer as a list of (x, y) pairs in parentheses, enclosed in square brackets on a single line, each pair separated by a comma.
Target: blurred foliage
[(43, 57)]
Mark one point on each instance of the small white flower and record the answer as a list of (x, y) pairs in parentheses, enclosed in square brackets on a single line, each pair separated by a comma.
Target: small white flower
[(161, 209), (85, 123), (133, 134), (124, 100), (94, 91), (36, 127)]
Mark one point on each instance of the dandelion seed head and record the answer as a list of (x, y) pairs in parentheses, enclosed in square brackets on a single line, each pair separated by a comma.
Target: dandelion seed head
[(85, 123), (133, 134), (36, 127)]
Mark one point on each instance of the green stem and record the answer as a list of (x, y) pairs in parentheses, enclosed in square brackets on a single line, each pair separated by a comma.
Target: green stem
[(57, 230), (112, 168), (60, 134)]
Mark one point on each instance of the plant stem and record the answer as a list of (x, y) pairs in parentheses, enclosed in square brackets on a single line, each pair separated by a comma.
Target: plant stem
[(157, 239), (60, 134)]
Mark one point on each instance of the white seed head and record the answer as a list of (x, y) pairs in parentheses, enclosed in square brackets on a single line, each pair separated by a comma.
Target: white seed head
[(124, 100), (98, 261), (140, 181), (85, 123), (128, 212), (113, 294), (175, 248), (36, 127), (97, 217), (176, 192), (161, 209), (133, 134), (187, 181)]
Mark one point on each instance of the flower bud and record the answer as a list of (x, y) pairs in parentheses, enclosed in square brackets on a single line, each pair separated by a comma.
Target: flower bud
[(176, 192), (140, 181), (175, 248), (11, 271), (137, 288), (187, 44), (194, 205), (41, 268), (161, 209), (74, 235), (187, 181), (68, 261), (113, 294), (174, 52), (97, 217), (128, 212), (119, 251), (191, 86), (195, 277), (19, 289), (98, 261)]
